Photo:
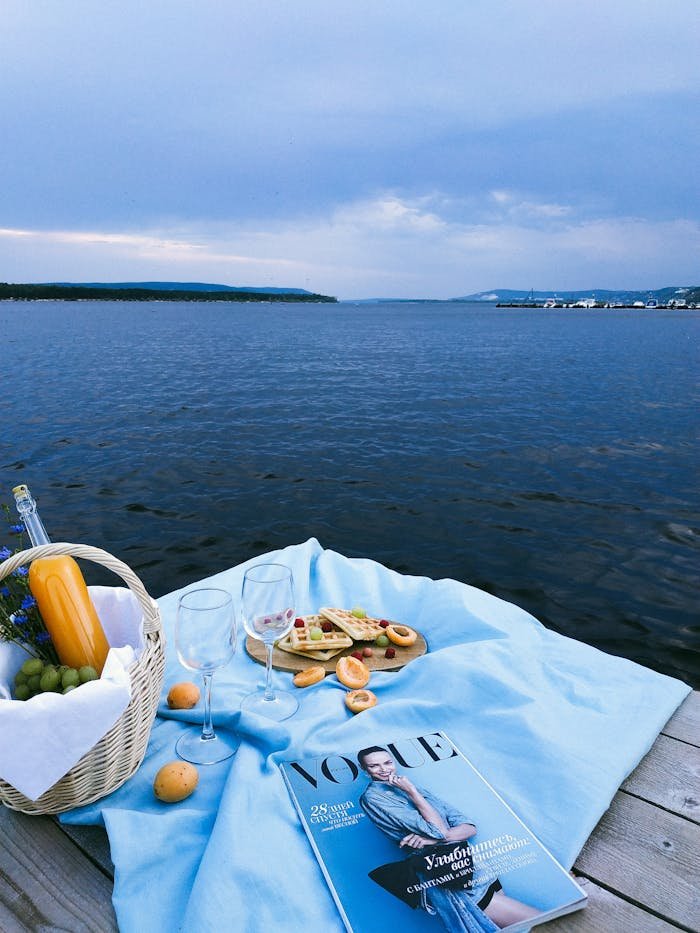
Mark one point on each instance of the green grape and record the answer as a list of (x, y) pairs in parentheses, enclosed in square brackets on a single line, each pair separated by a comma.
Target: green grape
[(87, 673), (50, 680), (33, 683), (69, 688), (359, 612), (315, 634), (20, 678), (70, 678), (32, 666), (22, 692), (381, 641)]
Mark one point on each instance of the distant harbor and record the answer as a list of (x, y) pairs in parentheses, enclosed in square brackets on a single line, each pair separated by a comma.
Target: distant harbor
[(653, 304)]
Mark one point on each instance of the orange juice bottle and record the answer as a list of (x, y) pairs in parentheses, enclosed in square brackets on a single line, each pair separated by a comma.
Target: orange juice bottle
[(62, 597)]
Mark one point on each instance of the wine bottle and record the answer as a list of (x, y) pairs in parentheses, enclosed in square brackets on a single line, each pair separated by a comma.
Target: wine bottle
[(62, 597)]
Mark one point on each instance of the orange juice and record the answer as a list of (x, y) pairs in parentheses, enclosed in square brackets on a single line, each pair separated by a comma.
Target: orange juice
[(68, 613)]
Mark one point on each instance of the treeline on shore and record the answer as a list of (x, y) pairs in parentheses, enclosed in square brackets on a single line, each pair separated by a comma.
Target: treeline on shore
[(20, 292)]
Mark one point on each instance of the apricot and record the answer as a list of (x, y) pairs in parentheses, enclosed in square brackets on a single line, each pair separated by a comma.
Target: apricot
[(352, 672), (184, 695), (358, 700), (309, 676), (175, 781), (401, 635)]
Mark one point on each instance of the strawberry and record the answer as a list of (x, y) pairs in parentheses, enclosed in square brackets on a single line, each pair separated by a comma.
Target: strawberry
[(390, 653)]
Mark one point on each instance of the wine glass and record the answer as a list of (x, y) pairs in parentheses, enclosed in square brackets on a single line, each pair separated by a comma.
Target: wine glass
[(268, 614), (205, 636)]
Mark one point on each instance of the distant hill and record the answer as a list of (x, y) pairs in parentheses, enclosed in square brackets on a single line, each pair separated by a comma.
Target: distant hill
[(662, 295), (153, 291), (185, 287)]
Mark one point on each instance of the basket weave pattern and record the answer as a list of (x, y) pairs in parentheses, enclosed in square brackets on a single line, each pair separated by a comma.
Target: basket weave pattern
[(120, 751)]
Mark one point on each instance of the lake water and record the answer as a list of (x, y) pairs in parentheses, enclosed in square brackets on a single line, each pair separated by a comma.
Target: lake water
[(549, 457)]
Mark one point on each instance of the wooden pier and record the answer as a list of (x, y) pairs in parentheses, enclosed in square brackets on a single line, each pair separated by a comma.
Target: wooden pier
[(640, 867)]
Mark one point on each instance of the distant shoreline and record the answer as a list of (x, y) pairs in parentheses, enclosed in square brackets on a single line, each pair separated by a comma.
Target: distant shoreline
[(21, 292)]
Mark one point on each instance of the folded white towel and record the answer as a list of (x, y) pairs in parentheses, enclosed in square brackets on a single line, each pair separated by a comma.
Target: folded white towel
[(42, 738)]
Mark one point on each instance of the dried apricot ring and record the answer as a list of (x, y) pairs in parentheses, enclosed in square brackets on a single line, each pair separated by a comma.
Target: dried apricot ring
[(352, 672), (401, 635), (357, 700), (311, 675)]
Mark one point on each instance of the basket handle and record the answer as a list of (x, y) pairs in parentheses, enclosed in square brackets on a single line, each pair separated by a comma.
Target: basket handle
[(151, 613)]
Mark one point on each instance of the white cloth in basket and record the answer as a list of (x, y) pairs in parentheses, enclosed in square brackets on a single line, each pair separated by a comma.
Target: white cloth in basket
[(42, 738)]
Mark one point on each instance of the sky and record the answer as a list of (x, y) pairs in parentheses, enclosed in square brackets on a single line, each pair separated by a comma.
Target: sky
[(372, 148)]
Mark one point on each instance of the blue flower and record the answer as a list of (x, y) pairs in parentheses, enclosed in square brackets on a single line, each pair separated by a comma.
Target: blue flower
[(5, 552), (19, 618), (4, 591), (17, 529), (28, 602), (43, 637), (20, 572)]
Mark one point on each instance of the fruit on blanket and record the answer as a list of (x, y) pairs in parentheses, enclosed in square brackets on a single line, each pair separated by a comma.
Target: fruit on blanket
[(357, 700), (312, 675), (390, 653), (352, 673), (175, 781), (381, 641), (367, 652), (184, 695)]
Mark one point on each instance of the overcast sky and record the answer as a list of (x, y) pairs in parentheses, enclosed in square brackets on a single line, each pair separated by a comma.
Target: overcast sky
[(360, 149)]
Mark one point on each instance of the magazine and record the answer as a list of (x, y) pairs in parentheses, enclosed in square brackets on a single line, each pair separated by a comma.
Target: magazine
[(410, 833)]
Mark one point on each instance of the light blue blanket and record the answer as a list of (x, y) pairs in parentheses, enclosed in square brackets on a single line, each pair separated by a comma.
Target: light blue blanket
[(552, 723)]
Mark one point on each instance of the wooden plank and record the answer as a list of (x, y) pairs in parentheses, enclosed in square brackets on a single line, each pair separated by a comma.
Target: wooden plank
[(649, 857), (607, 913), (685, 722), (93, 841), (46, 883), (669, 776)]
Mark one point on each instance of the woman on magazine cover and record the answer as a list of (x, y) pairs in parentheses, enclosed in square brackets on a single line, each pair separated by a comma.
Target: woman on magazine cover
[(415, 818)]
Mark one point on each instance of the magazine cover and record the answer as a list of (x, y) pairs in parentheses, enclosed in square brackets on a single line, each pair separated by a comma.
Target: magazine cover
[(410, 832)]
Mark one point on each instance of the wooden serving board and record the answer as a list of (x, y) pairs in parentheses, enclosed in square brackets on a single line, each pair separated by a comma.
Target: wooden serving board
[(284, 661)]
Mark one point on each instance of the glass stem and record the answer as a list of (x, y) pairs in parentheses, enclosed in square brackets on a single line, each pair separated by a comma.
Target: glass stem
[(269, 693), (207, 726)]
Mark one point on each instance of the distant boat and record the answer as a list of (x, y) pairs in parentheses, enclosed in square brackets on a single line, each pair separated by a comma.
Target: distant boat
[(652, 303)]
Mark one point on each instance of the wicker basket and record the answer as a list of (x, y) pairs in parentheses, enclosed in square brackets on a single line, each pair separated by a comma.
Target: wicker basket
[(121, 750)]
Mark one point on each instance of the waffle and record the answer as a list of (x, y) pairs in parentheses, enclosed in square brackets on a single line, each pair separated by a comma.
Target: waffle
[(301, 639), (366, 629), (285, 644)]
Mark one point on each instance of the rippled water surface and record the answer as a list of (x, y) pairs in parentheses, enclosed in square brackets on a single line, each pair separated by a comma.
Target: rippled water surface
[(549, 457)]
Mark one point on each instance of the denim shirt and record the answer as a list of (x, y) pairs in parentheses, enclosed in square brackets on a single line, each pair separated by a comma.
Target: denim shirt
[(391, 811)]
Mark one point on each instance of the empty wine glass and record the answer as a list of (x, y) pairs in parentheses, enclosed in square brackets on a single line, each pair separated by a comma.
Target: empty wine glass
[(205, 636), (268, 614)]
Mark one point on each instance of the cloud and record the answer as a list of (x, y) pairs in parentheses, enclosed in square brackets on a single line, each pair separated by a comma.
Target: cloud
[(387, 246)]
